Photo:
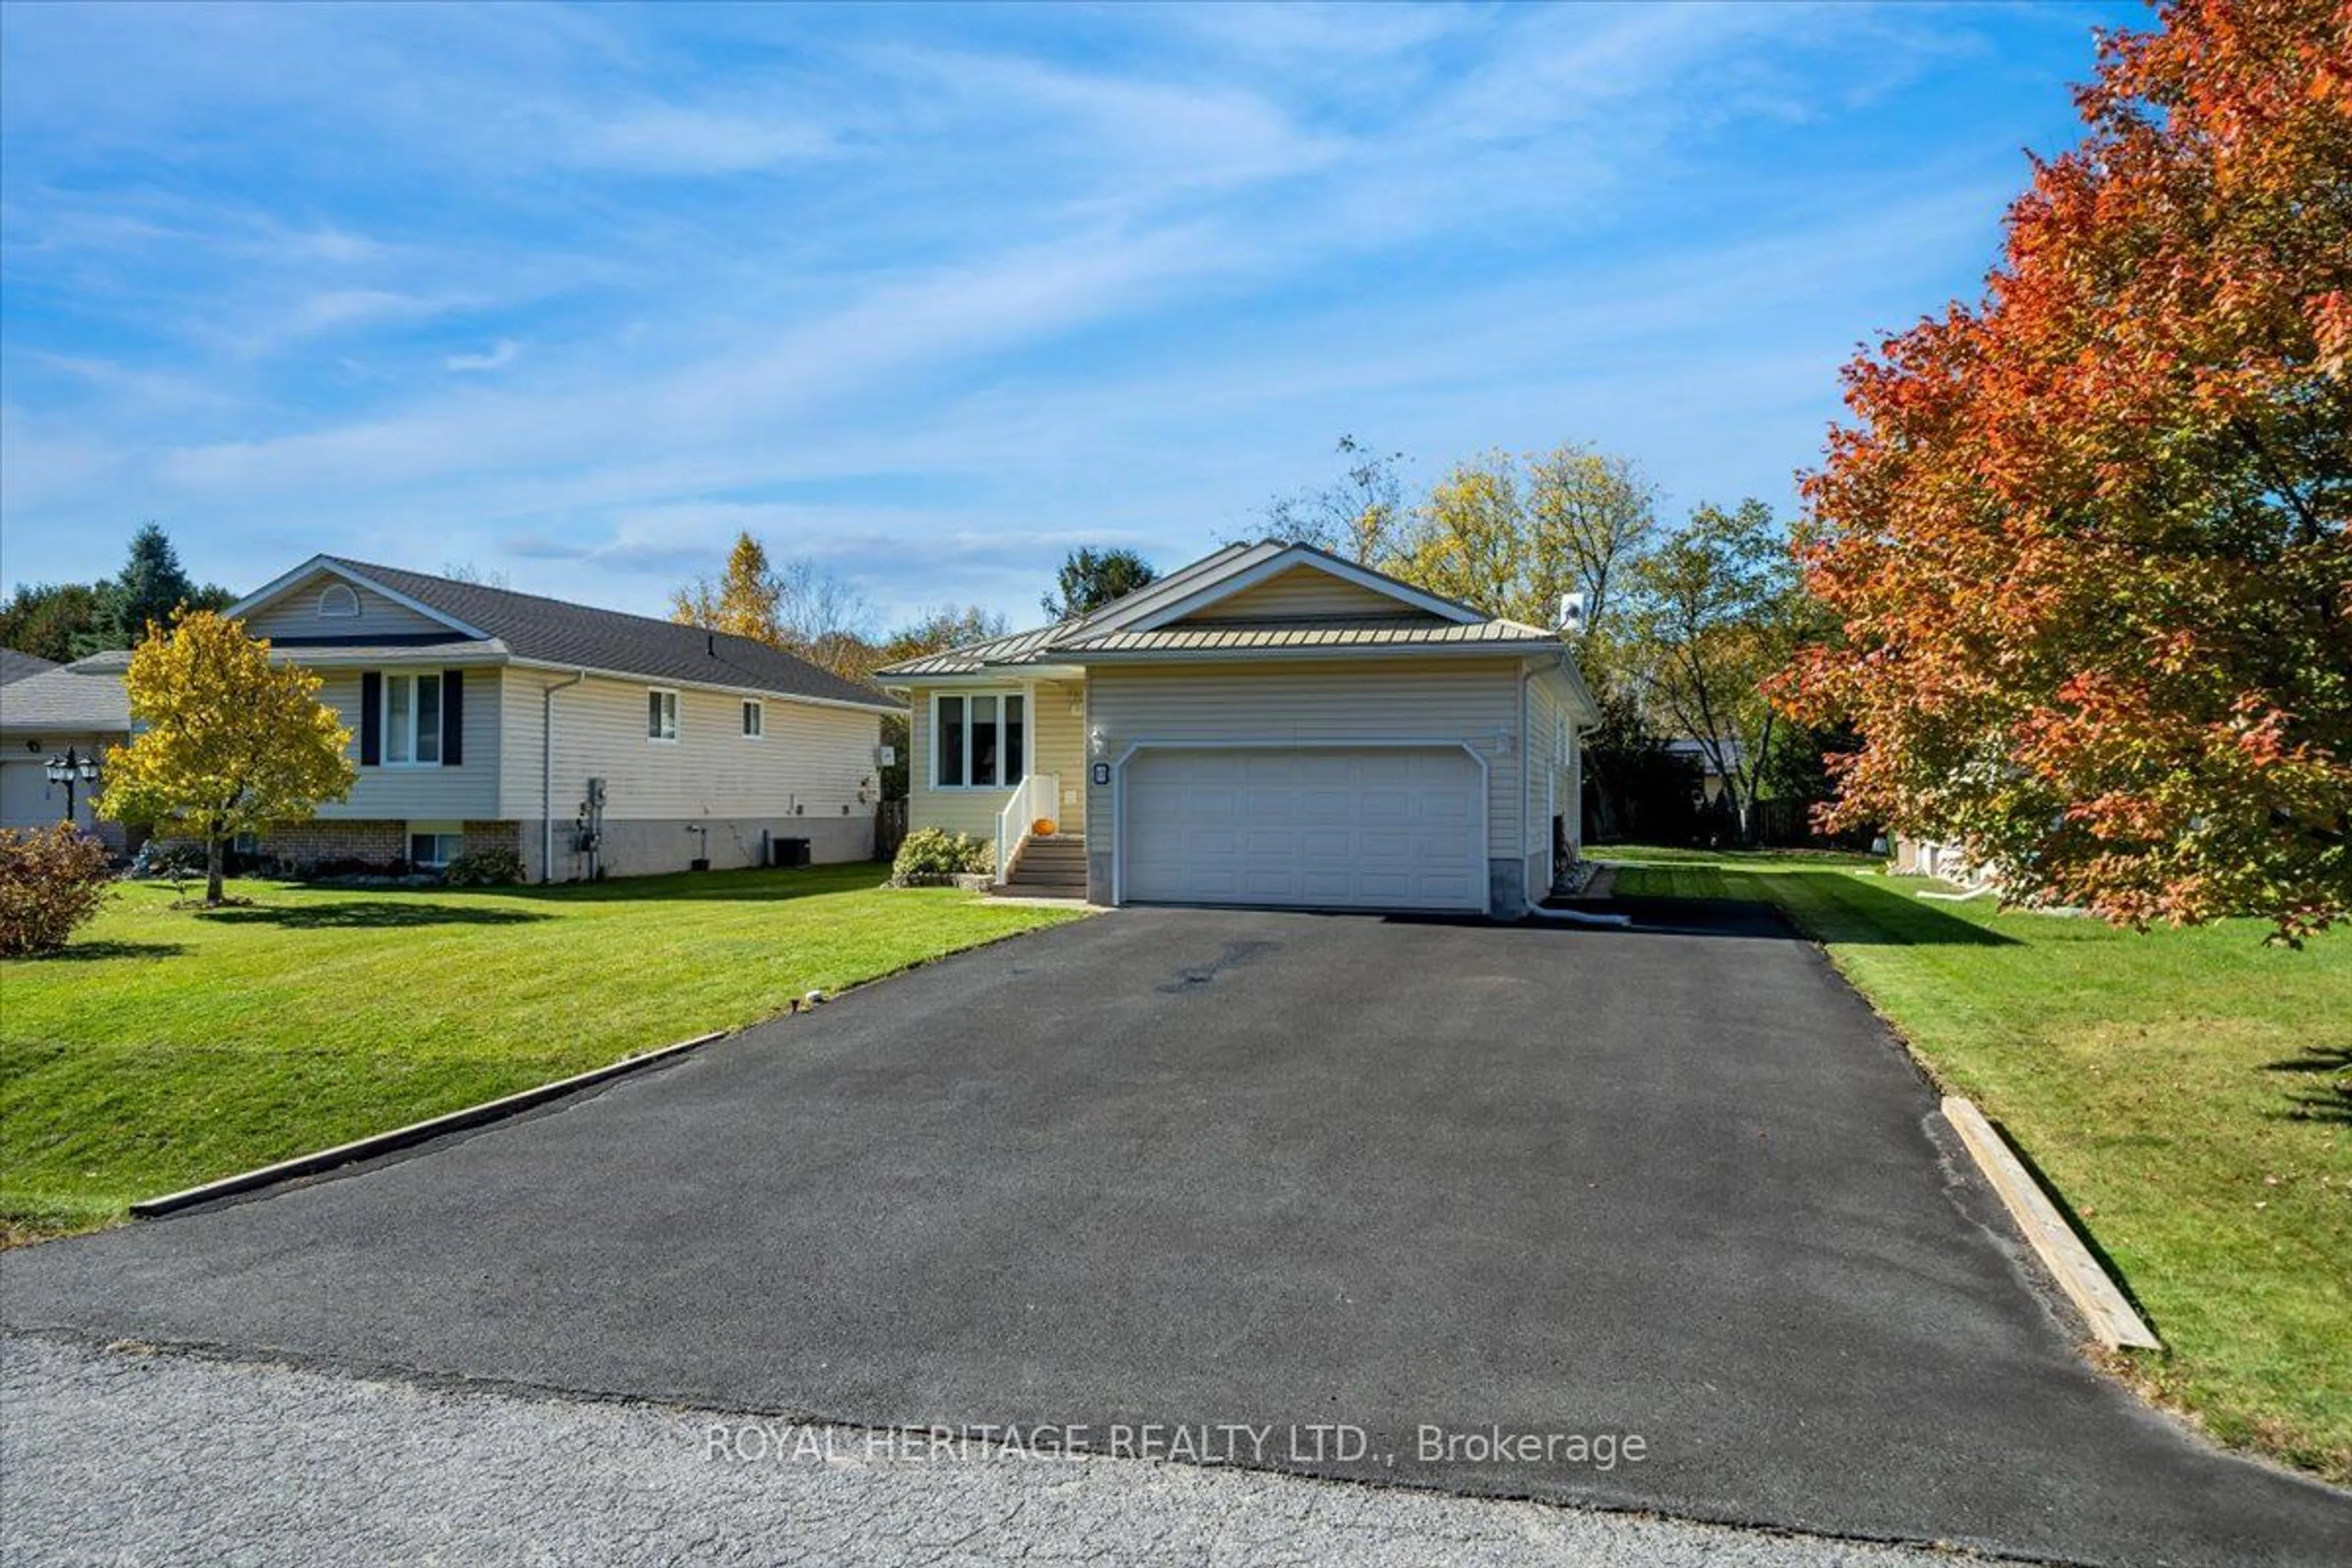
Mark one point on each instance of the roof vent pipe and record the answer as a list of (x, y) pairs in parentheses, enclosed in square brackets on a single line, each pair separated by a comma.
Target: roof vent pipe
[(710, 644)]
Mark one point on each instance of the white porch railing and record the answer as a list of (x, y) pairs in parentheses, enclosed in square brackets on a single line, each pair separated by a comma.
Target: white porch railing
[(1040, 794)]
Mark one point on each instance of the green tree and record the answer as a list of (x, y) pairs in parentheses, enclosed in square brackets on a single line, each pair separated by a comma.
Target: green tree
[(65, 621), (227, 741), (56, 621), (1089, 579), (1589, 515), (1715, 613), (934, 632), (150, 588)]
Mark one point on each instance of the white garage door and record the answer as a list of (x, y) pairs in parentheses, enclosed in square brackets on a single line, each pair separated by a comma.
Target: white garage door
[(27, 799), (1376, 828)]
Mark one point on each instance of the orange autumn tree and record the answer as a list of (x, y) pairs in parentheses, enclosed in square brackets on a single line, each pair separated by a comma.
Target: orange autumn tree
[(2089, 541)]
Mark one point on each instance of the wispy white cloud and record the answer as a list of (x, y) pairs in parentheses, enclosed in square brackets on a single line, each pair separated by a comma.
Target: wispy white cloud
[(501, 354), (960, 288)]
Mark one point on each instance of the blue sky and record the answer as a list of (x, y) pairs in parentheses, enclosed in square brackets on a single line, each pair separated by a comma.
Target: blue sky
[(935, 294)]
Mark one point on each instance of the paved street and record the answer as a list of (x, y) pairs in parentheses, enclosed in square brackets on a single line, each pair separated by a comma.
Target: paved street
[(121, 1458)]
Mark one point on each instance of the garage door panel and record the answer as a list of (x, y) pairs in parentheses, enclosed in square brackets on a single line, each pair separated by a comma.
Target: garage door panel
[(1372, 826)]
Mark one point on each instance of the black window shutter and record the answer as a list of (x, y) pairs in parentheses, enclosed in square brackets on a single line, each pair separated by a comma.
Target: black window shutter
[(370, 719), (453, 717)]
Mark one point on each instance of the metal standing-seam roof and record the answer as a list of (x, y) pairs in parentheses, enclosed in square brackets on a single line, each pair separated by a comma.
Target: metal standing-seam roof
[(1106, 632), (1228, 637)]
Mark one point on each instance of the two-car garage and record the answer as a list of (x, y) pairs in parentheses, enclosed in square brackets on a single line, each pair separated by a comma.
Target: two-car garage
[(1388, 827)]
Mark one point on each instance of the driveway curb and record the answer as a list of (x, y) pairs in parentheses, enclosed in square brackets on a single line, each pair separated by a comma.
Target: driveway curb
[(416, 1132), (2095, 1294)]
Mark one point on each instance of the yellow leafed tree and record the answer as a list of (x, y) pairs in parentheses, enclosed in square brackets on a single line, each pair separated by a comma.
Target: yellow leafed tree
[(227, 742), (1467, 541), (746, 602)]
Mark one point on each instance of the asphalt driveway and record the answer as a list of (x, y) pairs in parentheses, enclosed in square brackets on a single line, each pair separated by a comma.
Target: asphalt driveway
[(1186, 1175)]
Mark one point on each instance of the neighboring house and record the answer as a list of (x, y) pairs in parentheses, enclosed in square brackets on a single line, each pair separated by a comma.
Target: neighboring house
[(1935, 858), (45, 710), (1271, 725), (1703, 757), (483, 718)]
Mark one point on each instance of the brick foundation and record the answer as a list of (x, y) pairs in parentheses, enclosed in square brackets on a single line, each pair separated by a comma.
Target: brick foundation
[(306, 843), (300, 847)]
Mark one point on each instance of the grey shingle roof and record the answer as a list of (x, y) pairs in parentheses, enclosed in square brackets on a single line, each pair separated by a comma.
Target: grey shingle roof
[(559, 632), (15, 666), (66, 698)]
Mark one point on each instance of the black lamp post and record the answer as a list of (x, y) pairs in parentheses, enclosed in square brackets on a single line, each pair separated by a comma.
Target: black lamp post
[(72, 769)]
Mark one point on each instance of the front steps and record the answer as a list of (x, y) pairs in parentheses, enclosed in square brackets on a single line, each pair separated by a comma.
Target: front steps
[(1048, 868)]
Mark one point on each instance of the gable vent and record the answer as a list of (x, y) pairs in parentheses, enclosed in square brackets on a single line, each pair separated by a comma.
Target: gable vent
[(338, 601)]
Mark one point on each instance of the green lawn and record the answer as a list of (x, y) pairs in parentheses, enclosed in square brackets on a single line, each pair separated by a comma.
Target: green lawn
[(165, 1048), (2189, 1093)]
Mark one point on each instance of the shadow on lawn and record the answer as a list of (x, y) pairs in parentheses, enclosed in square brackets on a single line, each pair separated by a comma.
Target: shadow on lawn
[(750, 885), (1855, 911), (369, 914), (2328, 1101), (83, 952)]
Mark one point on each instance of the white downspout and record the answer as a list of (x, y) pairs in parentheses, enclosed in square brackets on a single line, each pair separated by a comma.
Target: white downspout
[(1527, 777), (546, 773), (1567, 917)]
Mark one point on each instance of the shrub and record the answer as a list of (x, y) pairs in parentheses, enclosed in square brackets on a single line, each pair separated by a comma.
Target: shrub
[(935, 852), (493, 868), (51, 881), (169, 860)]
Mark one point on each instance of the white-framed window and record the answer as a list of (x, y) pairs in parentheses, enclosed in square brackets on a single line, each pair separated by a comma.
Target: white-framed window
[(979, 740), (755, 718), (412, 721), (433, 844), (661, 714), (338, 601)]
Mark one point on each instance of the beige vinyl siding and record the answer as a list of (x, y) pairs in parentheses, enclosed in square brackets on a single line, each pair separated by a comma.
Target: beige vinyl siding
[(295, 614), (1436, 699), (467, 792), (1061, 748), (1305, 590), (812, 761), (1059, 742), (1551, 777)]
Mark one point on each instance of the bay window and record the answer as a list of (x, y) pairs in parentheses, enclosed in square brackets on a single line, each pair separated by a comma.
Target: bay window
[(979, 740)]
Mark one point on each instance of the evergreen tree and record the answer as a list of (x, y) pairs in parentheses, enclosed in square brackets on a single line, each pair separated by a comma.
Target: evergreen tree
[(151, 585)]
